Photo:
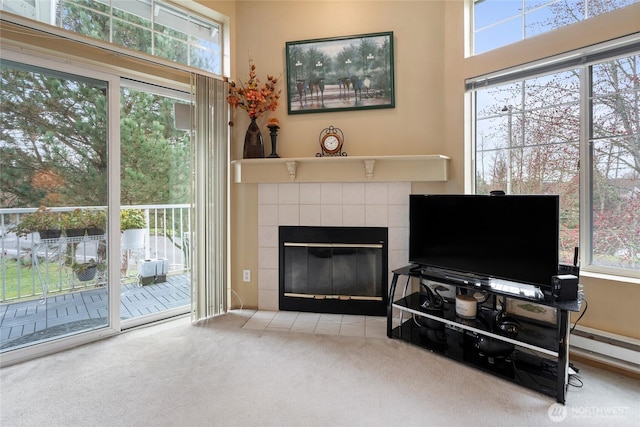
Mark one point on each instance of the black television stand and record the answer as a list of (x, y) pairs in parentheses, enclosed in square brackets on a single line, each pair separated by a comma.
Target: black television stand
[(536, 357)]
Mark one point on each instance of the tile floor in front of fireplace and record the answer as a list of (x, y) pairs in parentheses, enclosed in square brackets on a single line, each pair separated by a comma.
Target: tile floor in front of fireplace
[(319, 323)]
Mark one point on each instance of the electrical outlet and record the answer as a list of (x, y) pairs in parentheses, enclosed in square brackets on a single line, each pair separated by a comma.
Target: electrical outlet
[(246, 275)]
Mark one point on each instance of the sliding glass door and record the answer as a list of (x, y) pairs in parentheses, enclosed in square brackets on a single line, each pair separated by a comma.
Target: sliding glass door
[(105, 164), (155, 194), (54, 168), (114, 166)]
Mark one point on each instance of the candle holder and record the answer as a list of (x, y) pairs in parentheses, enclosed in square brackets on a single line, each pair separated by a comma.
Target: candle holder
[(273, 131)]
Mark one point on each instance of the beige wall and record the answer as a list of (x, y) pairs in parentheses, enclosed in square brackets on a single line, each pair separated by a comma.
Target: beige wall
[(429, 117), (415, 126)]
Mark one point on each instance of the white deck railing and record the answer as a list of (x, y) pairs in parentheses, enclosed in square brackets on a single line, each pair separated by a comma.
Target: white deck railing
[(168, 230)]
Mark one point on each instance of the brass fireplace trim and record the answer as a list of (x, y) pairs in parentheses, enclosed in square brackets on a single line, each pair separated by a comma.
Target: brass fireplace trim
[(338, 297), (334, 245)]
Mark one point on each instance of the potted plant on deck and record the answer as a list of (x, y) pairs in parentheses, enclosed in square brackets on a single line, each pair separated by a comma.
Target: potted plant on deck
[(133, 225), (43, 221), (73, 223), (84, 221), (96, 221)]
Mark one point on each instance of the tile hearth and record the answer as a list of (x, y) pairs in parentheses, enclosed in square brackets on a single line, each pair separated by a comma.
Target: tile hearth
[(319, 323)]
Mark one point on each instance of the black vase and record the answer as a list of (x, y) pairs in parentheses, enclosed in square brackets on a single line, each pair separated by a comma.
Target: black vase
[(253, 144)]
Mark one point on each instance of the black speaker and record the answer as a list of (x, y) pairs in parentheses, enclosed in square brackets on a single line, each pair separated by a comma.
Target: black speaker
[(569, 269), (565, 287)]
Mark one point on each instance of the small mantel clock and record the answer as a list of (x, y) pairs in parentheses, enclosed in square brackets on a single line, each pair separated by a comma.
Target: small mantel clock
[(331, 141)]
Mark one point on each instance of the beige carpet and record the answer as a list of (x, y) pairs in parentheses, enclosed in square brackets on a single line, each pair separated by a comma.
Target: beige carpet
[(219, 374)]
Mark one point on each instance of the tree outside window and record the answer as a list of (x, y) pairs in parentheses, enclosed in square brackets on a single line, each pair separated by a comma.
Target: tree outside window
[(528, 142)]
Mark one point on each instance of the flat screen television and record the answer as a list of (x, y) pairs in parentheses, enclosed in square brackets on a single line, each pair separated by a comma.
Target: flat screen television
[(510, 237)]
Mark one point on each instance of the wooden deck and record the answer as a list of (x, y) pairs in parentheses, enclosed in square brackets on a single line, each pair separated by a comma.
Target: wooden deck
[(29, 321)]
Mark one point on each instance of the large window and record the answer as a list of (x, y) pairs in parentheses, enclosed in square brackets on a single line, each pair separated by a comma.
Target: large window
[(527, 142), (614, 151), (498, 23), (147, 26), (531, 132)]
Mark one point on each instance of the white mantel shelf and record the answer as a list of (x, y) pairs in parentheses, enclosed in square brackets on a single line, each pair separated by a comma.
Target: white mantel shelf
[(342, 169)]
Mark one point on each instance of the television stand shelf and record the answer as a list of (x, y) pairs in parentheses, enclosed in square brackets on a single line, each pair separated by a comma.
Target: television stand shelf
[(536, 357)]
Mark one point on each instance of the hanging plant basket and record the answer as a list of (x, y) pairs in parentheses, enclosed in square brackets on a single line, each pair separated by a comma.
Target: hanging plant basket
[(87, 274)]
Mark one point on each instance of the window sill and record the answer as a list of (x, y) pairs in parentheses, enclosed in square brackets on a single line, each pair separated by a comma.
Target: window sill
[(612, 277)]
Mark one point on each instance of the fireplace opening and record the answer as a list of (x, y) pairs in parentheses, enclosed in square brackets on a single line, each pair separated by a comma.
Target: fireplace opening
[(333, 269)]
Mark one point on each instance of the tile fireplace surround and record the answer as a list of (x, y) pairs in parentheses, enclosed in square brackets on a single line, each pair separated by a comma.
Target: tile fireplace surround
[(340, 191), (353, 204)]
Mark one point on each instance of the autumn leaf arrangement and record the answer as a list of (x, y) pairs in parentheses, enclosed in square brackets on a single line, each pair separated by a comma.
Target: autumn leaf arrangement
[(253, 96)]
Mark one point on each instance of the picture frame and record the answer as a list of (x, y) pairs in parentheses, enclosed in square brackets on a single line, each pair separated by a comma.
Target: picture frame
[(340, 73), (531, 311)]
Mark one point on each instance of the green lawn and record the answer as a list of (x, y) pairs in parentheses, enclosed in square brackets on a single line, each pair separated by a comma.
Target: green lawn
[(23, 281), (60, 278)]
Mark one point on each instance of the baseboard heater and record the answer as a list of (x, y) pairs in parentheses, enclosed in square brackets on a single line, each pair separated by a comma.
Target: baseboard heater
[(607, 348)]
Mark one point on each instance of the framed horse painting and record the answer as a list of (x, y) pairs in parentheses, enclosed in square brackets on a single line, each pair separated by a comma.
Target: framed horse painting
[(340, 73)]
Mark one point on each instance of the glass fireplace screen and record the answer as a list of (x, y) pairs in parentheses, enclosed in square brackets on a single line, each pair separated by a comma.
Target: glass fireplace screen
[(333, 270)]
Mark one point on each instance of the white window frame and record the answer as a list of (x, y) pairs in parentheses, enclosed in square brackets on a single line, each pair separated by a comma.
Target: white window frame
[(583, 59), (193, 10), (522, 15)]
